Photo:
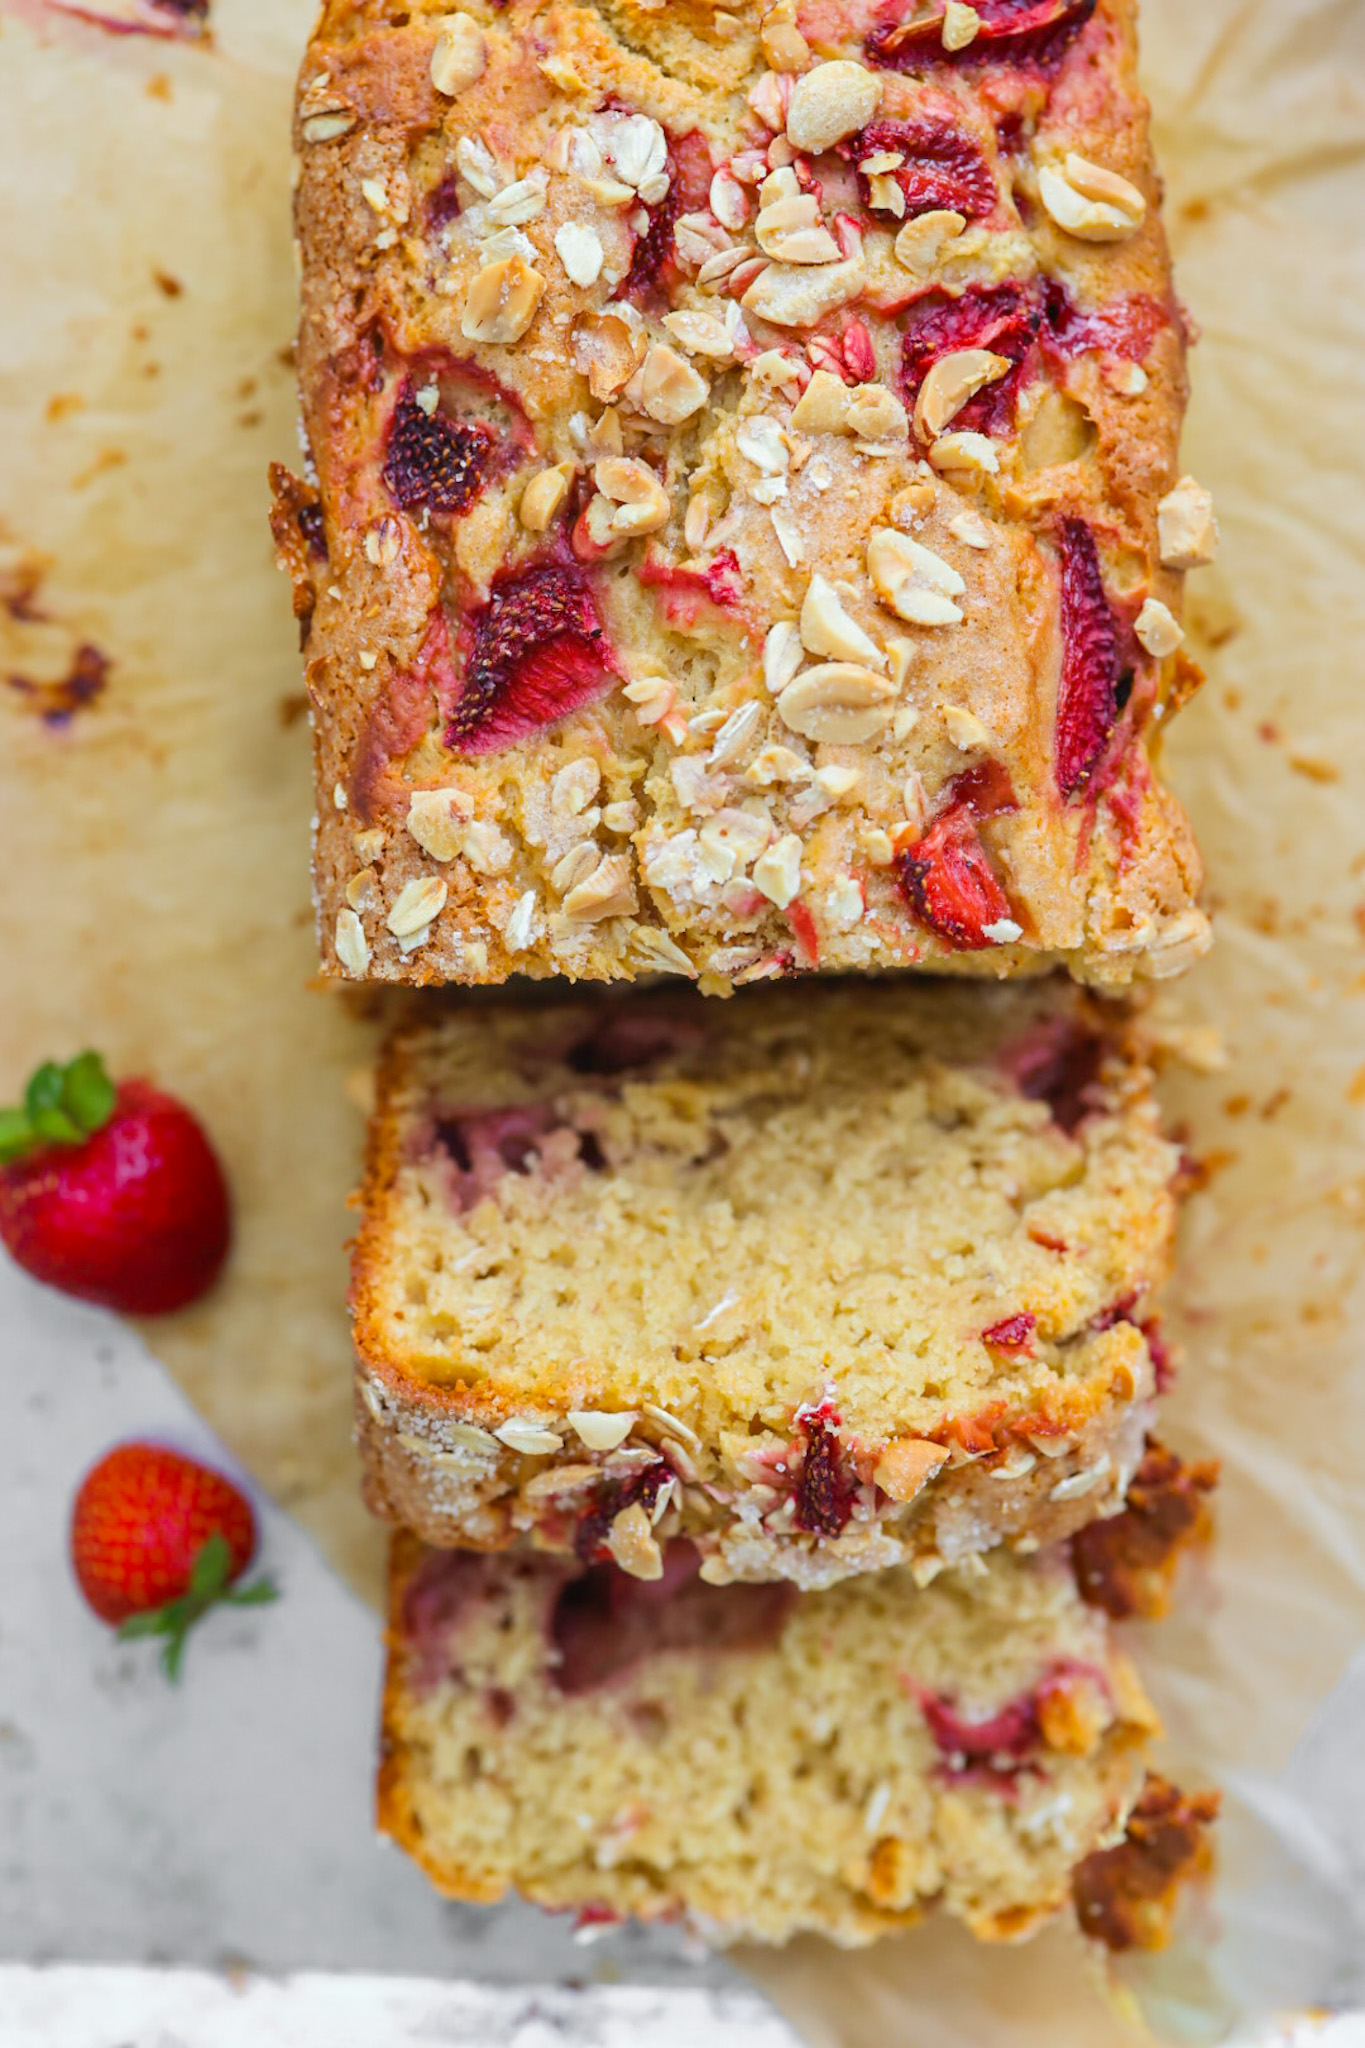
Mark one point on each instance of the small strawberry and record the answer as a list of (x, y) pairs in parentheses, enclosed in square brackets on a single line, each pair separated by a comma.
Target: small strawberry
[(156, 1540), (111, 1193)]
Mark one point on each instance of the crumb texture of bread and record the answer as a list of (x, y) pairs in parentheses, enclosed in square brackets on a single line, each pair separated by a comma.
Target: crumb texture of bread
[(825, 1280), (761, 1763), (744, 530)]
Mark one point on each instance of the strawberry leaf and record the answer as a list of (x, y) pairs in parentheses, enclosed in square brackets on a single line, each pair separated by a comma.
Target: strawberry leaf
[(61, 1106), (209, 1587)]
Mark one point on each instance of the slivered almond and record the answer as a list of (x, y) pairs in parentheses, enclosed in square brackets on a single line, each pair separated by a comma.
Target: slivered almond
[(798, 295), (609, 891), (544, 496), (906, 1466), (1186, 527), (823, 405), (670, 389), (922, 240), (631, 1542)]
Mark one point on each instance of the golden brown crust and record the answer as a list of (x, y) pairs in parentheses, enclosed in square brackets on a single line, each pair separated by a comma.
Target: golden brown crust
[(1126, 1896), (640, 869), (1127, 1564)]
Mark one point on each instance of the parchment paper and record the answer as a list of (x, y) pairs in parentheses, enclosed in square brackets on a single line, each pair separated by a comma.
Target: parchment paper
[(155, 895)]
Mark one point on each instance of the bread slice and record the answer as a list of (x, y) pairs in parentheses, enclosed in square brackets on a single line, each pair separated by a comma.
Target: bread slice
[(760, 1761), (826, 1280)]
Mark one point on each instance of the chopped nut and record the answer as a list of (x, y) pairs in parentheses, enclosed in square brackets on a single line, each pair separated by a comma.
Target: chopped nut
[(519, 202), (701, 334), (760, 440), (436, 819), (876, 414), (600, 1429), (415, 905), (920, 242), (487, 850), (952, 380), (729, 200), (579, 248), (1090, 202), (502, 301), (670, 389), (1157, 630), (382, 542), (609, 891), (1073, 1713), (631, 1542), (368, 844), (734, 736), (608, 351), (544, 496), (826, 628), (575, 865), (791, 231), (661, 952), (781, 654), (837, 701), (965, 730), (777, 874), (911, 581), (973, 453), (634, 489), (575, 786), (797, 296), (823, 406), (906, 1466), (474, 161), (1186, 526), (328, 125), (971, 529), (520, 924), (830, 102), (785, 49), (352, 947), (460, 55), (961, 25)]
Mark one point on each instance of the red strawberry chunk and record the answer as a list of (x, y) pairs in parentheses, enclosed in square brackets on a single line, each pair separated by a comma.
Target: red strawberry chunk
[(1088, 697), (949, 882), (651, 260), (1125, 326), (1011, 31), (538, 653), (1012, 1333), (824, 1492), (1059, 1063), (605, 1623), (432, 461), (943, 167), (1003, 318)]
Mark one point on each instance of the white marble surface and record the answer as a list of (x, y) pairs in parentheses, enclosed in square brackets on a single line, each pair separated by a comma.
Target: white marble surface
[(109, 2008), (226, 1822)]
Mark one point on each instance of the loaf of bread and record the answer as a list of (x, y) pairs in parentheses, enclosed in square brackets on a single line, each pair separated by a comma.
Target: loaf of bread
[(826, 1279), (743, 529), (761, 1762)]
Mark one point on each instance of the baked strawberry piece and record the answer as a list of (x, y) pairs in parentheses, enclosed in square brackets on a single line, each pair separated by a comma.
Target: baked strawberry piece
[(723, 454), (111, 1192), (864, 1762), (824, 1280)]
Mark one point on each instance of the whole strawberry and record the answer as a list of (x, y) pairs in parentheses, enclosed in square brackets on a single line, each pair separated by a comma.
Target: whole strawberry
[(157, 1540), (111, 1193)]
